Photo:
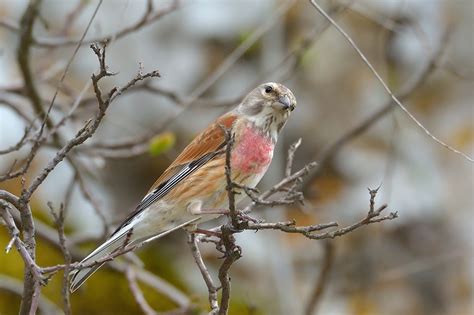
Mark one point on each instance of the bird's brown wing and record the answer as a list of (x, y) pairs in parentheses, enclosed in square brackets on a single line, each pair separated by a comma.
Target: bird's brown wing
[(208, 141), (201, 150)]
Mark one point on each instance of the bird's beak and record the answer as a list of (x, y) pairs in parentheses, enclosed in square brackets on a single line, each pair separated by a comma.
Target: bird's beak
[(284, 103)]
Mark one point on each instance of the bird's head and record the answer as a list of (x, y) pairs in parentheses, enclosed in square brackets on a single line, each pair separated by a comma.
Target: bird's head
[(268, 107)]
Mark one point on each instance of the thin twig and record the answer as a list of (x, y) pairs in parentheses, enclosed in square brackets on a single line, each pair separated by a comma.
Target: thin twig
[(322, 280), (32, 275), (290, 157), (91, 126), (406, 91), (23, 57), (68, 65), (137, 292), (59, 222), (385, 86), (227, 64), (15, 286), (211, 288), (149, 16)]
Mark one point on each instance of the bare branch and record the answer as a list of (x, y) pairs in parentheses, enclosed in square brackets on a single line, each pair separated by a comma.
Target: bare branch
[(232, 253), (293, 60), (50, 235), (32, 277), (407, 90), (138, 145), (31, 91), (291, 156), (20, 143), (211, 288), (150, 16), (68, 65), (15, 286), (322, 280), (23, 57), (37, 142), (91, 126), (263, 198), (373, 216), (59, 222), (137, 292), (92, 201), (385, 86), (229, 140), (290, 227), (16, 108), (230, 60)]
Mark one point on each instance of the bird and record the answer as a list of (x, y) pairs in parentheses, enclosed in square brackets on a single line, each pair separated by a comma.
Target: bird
[(190, 190)]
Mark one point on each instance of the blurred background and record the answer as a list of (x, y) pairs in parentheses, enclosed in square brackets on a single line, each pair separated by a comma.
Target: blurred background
[(210, 54)]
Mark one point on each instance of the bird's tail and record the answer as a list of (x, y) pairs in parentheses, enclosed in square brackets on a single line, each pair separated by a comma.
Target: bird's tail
[(118, 240), (123, 238)]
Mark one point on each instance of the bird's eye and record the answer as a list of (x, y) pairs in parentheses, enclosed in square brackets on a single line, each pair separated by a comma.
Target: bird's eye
[(268, 89)]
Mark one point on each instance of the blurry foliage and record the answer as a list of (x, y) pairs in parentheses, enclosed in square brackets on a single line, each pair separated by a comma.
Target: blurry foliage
[(254, 50), (463, 136), (162, 143), (11, 265), (107, 292)]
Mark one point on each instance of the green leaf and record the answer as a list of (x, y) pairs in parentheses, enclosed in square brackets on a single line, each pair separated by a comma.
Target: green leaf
[(162, 143)]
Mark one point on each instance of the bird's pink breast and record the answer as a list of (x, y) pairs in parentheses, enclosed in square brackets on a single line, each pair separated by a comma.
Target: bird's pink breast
[(253, 152)]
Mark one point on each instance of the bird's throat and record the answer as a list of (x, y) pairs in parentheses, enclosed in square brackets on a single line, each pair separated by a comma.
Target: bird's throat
[(252, 151)]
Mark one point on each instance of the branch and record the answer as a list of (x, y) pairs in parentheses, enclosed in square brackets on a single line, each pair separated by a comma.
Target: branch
[(294, 59), (33, 273), (373, 216), (409, 88), (230, 60), (92, 201), (23, 57), (16, 108), (211, 288), (59, 222), (150, 16), (50, 235), (138, 145), (68, 65), (229, 140), (31, 91), (232, 252), (322, 280), (15, 286), (91, 125), (279, 187), (238, 221), (137, 292), (385, 86), (291, 156), (32, 277), (24, 139)]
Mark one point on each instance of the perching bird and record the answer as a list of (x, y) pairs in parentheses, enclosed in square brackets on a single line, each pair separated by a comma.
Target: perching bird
[(195, 183)]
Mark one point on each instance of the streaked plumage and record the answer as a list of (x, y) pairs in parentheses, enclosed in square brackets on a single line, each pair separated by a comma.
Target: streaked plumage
[(196, 180)]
